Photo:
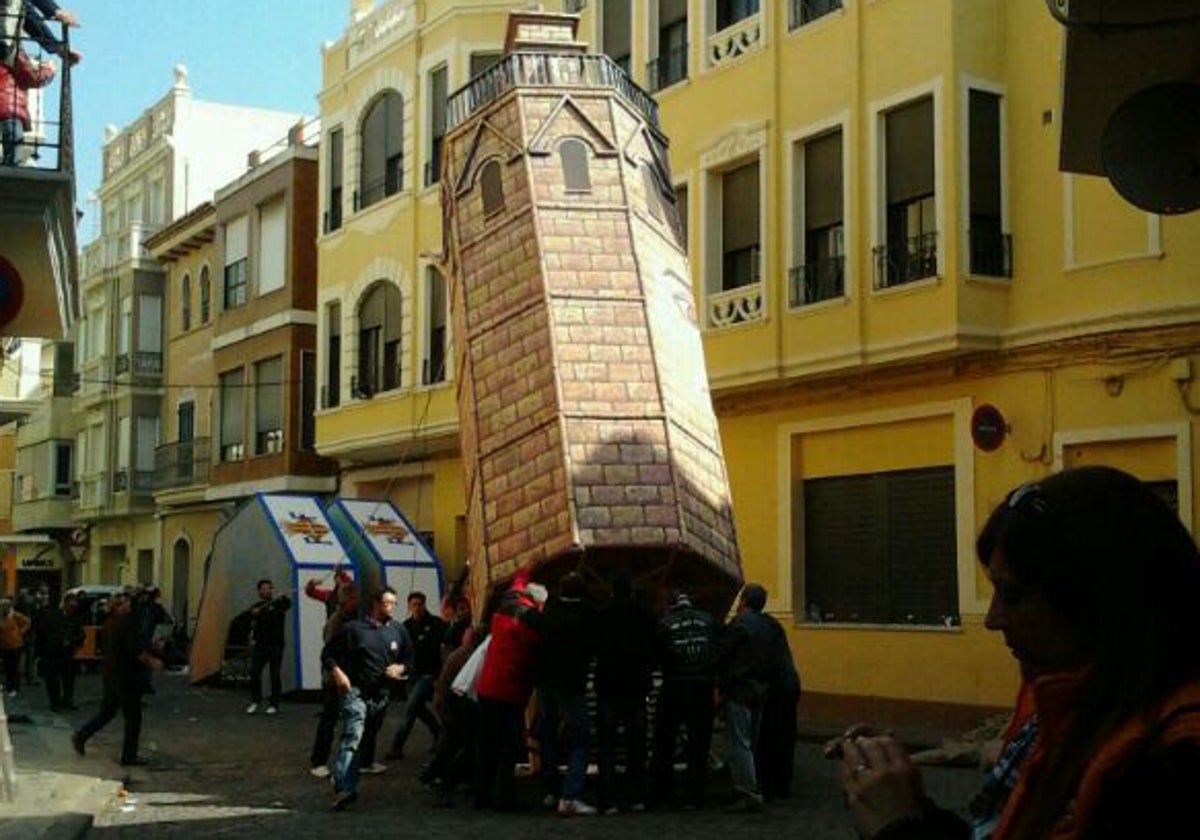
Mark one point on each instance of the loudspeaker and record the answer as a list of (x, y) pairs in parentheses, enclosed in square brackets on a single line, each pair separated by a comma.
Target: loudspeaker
[(1151, 148)]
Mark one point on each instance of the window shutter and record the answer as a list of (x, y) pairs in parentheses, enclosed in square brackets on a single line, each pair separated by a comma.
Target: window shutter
[(922, 546), (237, 240), (268, 395), (149, 323), (272, 245), (910, 147), (843, 549), (823, 186), (740, 223)]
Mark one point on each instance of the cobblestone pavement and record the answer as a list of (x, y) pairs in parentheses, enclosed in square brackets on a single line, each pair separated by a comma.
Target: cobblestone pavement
[(217, 771)]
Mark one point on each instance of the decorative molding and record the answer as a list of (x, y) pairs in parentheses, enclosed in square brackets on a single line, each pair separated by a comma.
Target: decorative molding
[(602, 145), (732, 42), (741, 141)]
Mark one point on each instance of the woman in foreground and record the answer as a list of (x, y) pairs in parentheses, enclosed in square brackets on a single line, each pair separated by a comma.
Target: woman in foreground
[(1097, 592)]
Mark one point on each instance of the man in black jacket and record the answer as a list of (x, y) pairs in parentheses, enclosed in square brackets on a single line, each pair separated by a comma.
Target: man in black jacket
[(267, 631), (363, 662), (687, 646), (624, 660), (427, 632), (560, 674), (750, 651), (59, 634)]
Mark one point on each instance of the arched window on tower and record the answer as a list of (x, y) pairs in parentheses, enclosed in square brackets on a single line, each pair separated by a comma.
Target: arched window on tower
[(185, 309), (382, 140), (574, 156), (492, 185), (205, 295)]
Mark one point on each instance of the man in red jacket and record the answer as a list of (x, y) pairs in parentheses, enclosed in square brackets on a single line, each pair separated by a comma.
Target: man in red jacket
[(504, 687), (24, 74)]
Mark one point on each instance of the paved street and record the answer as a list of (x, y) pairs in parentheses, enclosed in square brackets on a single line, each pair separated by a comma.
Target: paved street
[(218, 772)]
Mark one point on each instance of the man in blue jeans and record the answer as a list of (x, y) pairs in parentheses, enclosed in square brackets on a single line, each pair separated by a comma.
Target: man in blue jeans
[(427, 632), (363, 663)]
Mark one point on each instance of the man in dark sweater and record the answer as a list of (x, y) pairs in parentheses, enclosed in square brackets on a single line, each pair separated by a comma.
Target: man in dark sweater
[(750, 652), (59, 634), (267, 631), (560, 675), (687, 642), (126, 669), (624, 660), (427, 632), (363, 662)]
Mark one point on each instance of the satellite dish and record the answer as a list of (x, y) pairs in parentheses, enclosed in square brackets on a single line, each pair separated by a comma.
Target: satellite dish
[(1151, 148)]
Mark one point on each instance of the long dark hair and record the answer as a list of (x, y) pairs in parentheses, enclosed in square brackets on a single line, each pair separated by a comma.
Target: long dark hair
[(1114, 560)]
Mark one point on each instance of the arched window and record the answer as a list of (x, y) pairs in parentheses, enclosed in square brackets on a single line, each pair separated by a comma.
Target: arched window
[(205, 295), (382, 170), (490, 179), (185, 292), (379, 328), (574, 155), (435, 325)]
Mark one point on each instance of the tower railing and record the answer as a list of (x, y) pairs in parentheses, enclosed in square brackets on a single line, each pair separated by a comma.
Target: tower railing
[(538, 69)]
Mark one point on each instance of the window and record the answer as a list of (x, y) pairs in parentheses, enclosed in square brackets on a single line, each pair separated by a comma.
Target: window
[(147, 442), (157, 201), (654, 199), (481, 62), (237, 242), (435, 336), (333, 202), (574, 156), (991, 251), (382, 170), (881, 548), (740, 227), (62, 469), (150, 328), (492, 187), (911, 236), (125, 336), (806, 11), (308, 399), (730, 12), (272, 245), (333, 371), (185, 300), (820, 275), (438, 92), (681, 205), (379, 326), (670, 65), (268, 406), (233, 410), (615, 31), (205, 295)]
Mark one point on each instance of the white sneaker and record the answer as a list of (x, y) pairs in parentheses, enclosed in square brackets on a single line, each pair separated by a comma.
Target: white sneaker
[(272, 710), (611, 811), (575, 808), (373, 769), (252, 708), (320, 771)]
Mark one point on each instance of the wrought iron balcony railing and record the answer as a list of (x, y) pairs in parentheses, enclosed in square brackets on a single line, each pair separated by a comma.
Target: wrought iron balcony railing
[(806, 11), (668, 69), (181, 464), (139, 482), (530, 69), (141, 363), (816, 281), (906, 261), (991, 253)]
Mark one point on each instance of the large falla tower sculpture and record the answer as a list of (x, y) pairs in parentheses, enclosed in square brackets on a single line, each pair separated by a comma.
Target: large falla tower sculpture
[(588, 434)]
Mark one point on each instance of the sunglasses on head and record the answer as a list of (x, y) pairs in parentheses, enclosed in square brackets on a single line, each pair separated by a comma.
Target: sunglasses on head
[(1028, 498)]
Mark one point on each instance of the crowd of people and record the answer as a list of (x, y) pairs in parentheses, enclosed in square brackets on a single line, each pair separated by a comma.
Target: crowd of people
[(476, 687), (39, 637)]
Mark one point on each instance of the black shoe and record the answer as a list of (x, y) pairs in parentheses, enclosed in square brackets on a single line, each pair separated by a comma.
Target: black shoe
[(343, 799), (77, 742), (394, 755), (744, 805), (135, 762)]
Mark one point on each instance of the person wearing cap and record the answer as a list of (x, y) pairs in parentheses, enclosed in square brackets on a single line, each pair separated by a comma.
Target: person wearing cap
[(751, 648), (686, 648)]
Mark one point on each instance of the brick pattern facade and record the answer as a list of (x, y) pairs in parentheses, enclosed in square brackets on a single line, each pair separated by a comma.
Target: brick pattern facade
[(587, 428)]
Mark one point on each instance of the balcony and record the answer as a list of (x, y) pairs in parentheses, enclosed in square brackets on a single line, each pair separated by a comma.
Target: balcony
[(529, 69), (372, 192), (114, 251), (736, 40), (906, 261), (140, 363), (138, 482), (803, 12), (668, 69), (816, 281), (181, 464), (991, 253), (743, 305), (41, 514)]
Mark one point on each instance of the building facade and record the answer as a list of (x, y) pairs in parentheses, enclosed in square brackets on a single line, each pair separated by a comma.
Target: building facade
[(156, 169), (241, 335), (907, 309)]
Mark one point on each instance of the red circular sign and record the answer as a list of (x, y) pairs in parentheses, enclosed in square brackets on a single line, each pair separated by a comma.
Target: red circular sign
[(12, 293), (988, 427)]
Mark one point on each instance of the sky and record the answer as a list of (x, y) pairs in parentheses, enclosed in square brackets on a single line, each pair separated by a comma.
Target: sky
[(260, 53)]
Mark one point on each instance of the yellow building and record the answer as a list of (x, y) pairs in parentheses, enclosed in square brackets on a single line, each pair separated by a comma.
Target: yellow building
[(882, 249)]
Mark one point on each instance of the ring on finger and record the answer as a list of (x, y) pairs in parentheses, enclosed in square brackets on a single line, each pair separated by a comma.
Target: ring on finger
[(861, 768)]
